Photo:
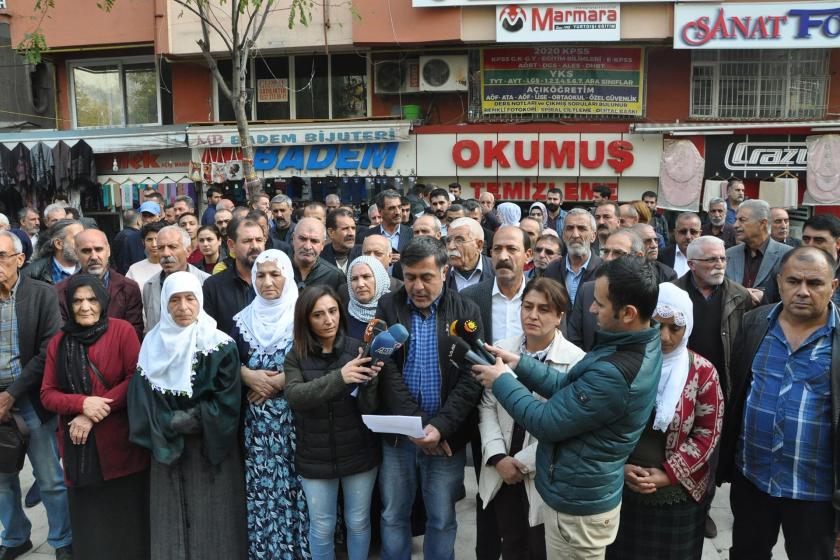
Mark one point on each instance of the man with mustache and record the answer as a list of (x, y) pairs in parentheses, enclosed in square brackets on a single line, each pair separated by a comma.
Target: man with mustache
[(579, 264), (440, 203), (467, 265), (173, 245), (650, 240), (735, 194), (607, 220), (342, 249), (823, 232), (719, 306), (230, 291), (56, 256), (717, 225), (780, 227), (754, 262), (281, 210), (389, 203), (310, 269), (93, 254), (553, 203), (687, 230)]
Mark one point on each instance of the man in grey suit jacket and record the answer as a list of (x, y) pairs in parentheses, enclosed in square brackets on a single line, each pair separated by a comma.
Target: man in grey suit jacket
[(754, 263), (581, 324)]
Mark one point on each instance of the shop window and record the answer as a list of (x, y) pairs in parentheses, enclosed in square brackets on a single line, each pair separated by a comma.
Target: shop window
[(348, 81), (312, 96), (759, 84), (115, 93), (272, 88)]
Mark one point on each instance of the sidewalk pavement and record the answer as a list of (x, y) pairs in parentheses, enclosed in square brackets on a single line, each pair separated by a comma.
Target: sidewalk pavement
[(717, 549)]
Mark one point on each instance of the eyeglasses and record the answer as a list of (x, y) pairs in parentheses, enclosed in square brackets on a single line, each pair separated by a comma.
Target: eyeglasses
[(687, 231), (615, 252), (712, 260), (6, 256), (459, 241), (546, 250)]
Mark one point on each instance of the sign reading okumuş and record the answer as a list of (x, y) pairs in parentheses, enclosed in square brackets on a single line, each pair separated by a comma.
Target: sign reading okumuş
[(574, 80), (517, 23), (756, 25)]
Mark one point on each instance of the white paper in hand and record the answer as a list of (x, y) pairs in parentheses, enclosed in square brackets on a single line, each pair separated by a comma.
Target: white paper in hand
[(411, 426)]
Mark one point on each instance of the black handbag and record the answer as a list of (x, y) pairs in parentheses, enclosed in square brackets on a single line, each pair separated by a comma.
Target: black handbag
[(14, 442)]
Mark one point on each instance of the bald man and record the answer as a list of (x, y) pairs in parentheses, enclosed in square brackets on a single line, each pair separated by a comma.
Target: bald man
[(308, 241), (379, 247), (93, 253)]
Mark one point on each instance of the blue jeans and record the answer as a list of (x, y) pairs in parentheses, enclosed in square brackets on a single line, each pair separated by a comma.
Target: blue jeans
[(43, 454), (441, 480), (322, 501)]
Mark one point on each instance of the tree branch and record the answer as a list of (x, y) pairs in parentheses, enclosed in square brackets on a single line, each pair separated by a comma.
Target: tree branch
[(204, 23), (214, 69)]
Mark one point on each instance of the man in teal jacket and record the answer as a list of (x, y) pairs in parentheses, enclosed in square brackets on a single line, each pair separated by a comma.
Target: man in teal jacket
[(593, 416)]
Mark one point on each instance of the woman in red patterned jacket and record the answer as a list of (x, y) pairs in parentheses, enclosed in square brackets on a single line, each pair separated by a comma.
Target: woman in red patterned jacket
[(663, 508)]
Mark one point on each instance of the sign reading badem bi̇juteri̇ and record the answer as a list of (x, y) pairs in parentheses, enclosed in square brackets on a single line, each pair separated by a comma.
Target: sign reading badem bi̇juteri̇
[(566, 80)]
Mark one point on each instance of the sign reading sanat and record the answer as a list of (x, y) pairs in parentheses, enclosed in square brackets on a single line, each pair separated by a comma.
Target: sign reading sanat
[(518, 23), (806, 25)]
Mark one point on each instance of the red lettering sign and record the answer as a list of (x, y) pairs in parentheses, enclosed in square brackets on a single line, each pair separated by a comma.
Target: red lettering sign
[(525, 190), (550, 154)]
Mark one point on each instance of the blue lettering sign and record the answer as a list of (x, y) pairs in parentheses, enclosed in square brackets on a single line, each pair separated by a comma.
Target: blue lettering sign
[(379, 155), (265, 159), (293, 159), (315, 163), (821, 19), (344, 157)]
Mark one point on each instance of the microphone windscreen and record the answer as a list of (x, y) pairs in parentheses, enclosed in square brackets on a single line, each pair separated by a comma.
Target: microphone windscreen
[(399, 332), (468, 330), (457, 350), (382, 346), (374, 327)]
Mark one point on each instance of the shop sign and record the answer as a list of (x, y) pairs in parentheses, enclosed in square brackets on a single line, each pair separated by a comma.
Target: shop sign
[(567, 80), (225, 137), (273, 91), (458, 3), (318, 158), (147, 161), (751, 25), (517, 23), (548, 154), (755, 155), (536, 189)]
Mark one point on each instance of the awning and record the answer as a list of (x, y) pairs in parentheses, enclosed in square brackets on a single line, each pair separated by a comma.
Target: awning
[(357, 132), (703, 128), (105, 140)]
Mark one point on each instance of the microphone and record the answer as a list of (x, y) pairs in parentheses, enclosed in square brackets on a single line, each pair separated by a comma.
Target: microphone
[(400, 334), (462, 356), (383, 346), (373, 329), (468, 330)]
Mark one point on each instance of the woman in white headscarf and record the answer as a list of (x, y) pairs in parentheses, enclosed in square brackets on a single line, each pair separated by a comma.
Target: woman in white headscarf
[(278, 521), (509, 214), (539, 212), (367, 281), (663, 509), (183, 405)]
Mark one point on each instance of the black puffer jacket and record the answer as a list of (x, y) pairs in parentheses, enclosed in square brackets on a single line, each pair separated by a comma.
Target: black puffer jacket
[(332, 440)]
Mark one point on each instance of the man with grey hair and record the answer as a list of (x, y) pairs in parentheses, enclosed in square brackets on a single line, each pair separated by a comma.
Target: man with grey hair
[(579, 264), (717, 225), (467, 263), (378, 247), (4, 223), (780, 227), (687, 230), (30, 223), (56, 258), (754, 262), (426, 224), (227, 204), (332, 202), (53, 213), (650, 240), (281, 210), (735, 194), (581, 324), (627, 216), (310, 269), (173, 245), (488, 217), (127, 245), (182, 205)]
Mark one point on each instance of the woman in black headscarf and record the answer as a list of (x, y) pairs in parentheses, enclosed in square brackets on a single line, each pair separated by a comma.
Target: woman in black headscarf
[(88, 368)]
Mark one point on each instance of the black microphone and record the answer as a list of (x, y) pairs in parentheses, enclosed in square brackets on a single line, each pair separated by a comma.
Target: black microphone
[(374, 327), (467, 329), (461, 354)]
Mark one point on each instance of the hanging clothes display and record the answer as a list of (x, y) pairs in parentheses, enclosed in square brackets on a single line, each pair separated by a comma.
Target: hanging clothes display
[(5, 167), (823, 176), (41, 163), (61, 166), (781, 192), (82, 164), (680, 176), (712, 189)]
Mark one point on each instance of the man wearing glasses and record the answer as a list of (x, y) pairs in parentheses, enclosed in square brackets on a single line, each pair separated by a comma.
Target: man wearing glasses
[(719, 305), (650, 240), (546, 251), (687, 230), (467, 265)]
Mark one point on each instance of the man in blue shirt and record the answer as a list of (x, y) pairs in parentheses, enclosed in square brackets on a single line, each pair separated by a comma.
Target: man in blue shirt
[(779, 437), (579, 264), (734, 198)]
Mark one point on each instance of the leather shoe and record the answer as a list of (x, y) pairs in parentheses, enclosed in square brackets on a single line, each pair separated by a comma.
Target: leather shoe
[(711, 528), (64, 553), (10, 552), (33, 497)]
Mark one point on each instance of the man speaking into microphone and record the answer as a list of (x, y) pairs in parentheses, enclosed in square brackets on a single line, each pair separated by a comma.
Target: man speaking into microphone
[(421, 381)]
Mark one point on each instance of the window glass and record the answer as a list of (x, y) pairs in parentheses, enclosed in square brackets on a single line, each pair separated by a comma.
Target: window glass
[(349, 86), (226, 112), (272, 88), (98, 95), (311, 87), (141, 97)]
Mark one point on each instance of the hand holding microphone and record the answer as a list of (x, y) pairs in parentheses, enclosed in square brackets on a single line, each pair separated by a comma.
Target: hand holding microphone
[(359, 370)]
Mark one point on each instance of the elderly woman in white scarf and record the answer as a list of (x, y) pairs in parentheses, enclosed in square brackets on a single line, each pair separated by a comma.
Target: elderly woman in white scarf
[(666, 478), (367, 281), (183, 405), (263, 333)]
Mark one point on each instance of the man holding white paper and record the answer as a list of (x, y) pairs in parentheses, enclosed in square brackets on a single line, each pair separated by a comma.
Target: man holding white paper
[(420, 381)]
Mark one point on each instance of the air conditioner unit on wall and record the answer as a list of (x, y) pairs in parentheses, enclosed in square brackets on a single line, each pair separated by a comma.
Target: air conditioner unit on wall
[(396, 76), (444, 73)]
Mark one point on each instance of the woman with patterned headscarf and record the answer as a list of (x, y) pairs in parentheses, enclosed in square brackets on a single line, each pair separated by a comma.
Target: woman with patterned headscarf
[(367, 281), (278, 521), (509, 213), (666, 478)]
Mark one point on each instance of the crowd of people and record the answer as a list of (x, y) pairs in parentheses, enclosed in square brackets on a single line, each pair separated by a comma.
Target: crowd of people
[(194, 387)]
